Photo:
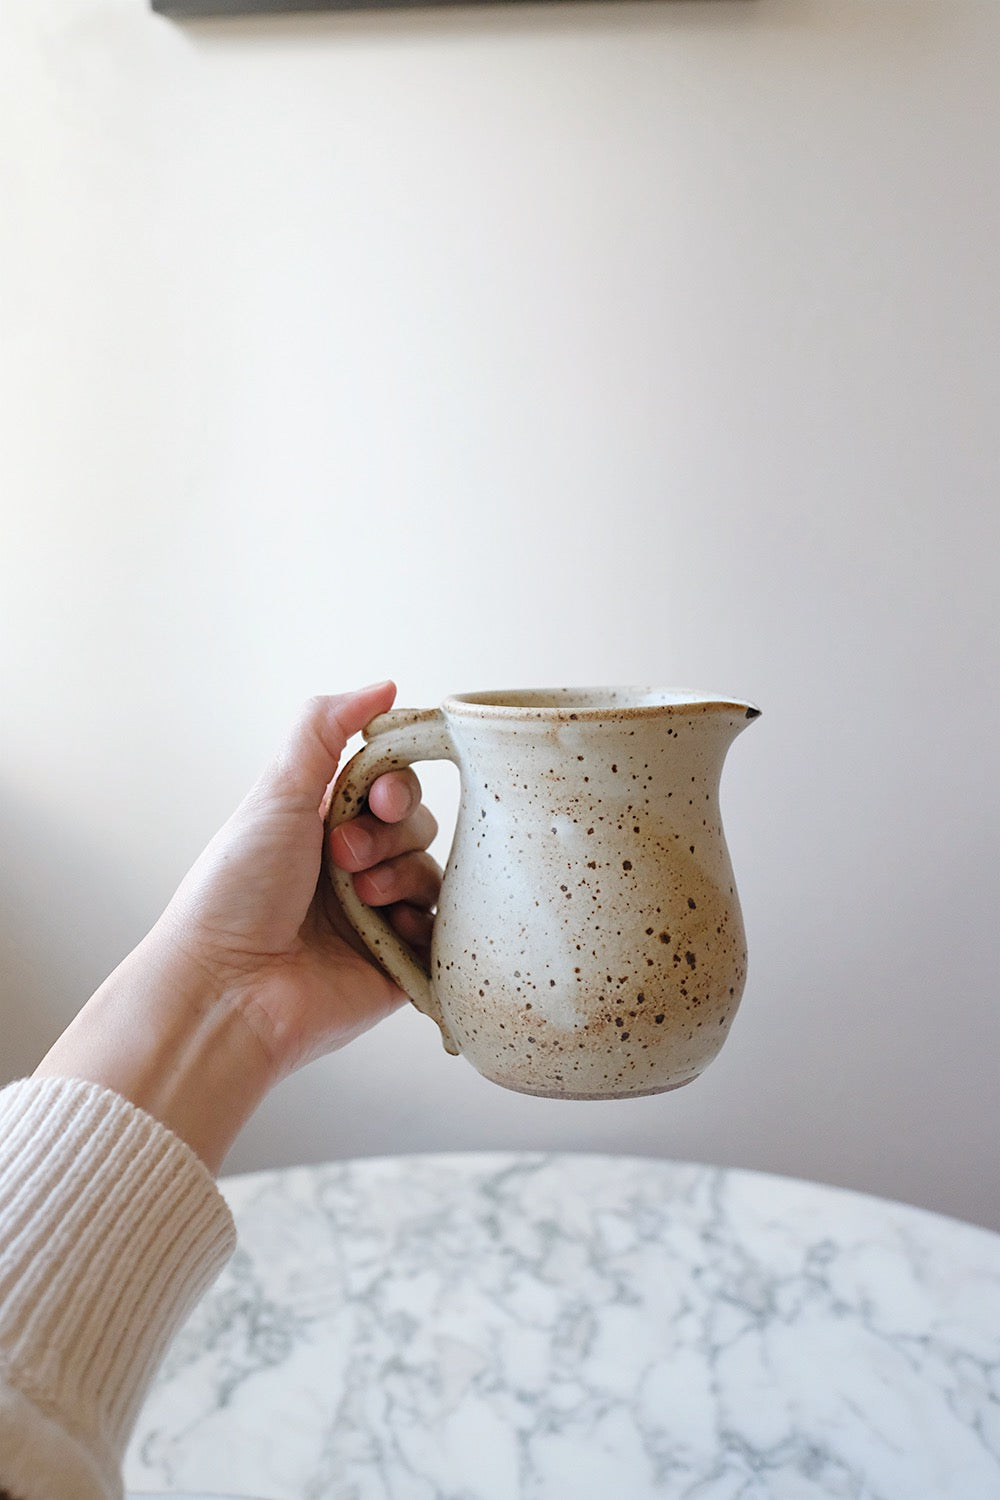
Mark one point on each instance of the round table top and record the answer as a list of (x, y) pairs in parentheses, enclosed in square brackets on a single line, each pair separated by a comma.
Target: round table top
[(531, 1327)]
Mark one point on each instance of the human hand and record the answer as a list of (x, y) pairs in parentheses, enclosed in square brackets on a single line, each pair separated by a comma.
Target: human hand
[(256, 917), (252, 969)]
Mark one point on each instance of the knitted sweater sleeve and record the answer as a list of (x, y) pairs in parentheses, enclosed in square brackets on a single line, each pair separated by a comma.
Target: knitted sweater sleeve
[(110, 1230)]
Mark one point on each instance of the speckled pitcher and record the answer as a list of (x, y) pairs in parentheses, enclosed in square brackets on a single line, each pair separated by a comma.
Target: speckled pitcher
[(589, 942)]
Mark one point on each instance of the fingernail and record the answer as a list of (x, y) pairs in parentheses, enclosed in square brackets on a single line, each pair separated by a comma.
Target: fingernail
[(399, 799), (358, 841)]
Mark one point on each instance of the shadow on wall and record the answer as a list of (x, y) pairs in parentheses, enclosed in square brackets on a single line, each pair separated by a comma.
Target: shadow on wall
[(66, 920), (334, 26)]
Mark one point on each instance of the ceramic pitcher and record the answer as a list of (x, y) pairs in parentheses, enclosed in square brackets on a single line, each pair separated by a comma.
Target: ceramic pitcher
[(588, 942)]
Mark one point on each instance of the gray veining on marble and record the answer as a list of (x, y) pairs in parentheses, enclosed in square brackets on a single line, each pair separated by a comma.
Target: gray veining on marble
[(573, 1327)]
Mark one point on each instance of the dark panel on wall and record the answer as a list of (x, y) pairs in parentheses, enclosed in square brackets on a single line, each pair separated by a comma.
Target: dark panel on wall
[(188, 9)]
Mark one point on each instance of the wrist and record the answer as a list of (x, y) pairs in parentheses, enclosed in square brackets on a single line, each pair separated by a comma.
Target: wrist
[(166, 1038)]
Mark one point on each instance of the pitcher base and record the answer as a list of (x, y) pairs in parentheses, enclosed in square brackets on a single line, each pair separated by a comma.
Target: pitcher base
[(521, 1088)]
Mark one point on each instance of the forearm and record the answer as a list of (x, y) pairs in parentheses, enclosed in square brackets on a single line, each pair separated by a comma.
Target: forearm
[(162, 1037)]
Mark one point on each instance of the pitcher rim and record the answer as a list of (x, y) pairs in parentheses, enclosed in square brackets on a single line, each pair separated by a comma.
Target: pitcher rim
[(587, 704)]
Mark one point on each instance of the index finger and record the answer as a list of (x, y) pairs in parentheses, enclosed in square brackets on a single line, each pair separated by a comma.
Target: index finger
[(395, 795)]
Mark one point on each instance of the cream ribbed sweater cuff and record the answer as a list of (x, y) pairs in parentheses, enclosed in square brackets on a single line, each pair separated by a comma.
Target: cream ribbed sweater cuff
[(110, 1230)]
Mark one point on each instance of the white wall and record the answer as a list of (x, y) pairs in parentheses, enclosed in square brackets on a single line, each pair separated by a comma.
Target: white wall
[(639, 342)]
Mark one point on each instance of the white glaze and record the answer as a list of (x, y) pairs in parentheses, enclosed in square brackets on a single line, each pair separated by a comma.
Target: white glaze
[(589, 942)]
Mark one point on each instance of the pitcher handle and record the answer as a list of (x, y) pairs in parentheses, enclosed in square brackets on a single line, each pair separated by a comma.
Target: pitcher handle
[(395, 739)]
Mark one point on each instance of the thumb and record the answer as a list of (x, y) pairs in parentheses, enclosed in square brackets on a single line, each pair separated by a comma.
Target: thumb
[(306, 764)]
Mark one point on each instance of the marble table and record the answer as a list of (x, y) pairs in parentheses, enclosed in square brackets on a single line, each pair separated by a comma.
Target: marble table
[(529, 1327)]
